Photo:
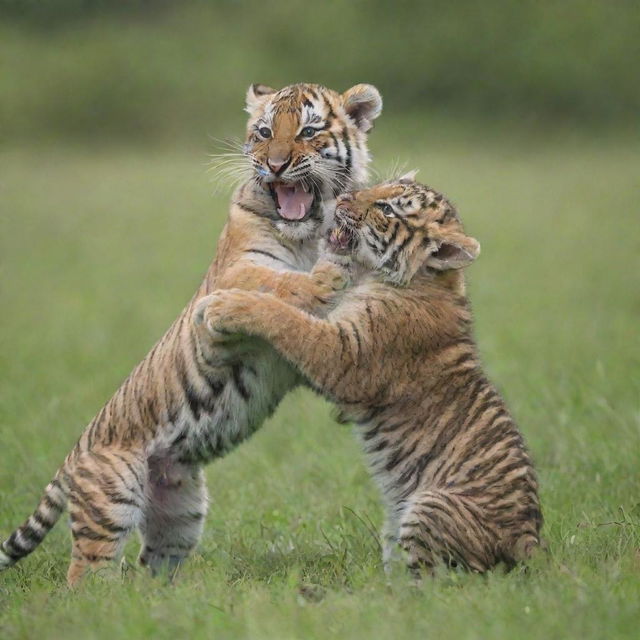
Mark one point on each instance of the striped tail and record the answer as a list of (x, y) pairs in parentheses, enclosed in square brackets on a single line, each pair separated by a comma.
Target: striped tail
[(32, 532)]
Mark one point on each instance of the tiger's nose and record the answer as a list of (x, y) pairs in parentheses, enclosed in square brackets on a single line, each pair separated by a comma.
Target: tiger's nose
[(278, 165)]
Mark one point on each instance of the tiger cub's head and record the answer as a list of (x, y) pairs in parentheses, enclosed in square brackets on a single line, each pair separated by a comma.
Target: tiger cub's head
[(306, 144), (398, 228)]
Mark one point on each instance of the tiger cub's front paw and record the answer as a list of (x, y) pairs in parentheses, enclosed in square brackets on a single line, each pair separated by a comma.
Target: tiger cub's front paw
[(223, 313), (202, 319), (330, 276)]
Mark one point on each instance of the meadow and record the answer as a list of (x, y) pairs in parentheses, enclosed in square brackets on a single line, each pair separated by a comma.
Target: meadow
[(100, 247)]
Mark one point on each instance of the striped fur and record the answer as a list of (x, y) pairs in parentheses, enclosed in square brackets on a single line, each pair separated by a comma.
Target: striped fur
[(398, 358), (195, 397)]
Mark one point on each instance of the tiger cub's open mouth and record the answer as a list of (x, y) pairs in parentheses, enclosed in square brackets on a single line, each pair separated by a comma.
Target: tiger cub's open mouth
[(294, 202), (342, 239)]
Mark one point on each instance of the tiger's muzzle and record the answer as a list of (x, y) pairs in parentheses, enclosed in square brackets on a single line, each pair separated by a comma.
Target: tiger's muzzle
[(343, 236)]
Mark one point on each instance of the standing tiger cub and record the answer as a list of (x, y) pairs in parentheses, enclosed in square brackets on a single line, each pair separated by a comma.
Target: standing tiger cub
[(196, 396), (398, 358)]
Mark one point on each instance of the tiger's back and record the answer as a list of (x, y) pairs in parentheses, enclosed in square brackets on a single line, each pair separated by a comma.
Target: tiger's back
[(450, 462)]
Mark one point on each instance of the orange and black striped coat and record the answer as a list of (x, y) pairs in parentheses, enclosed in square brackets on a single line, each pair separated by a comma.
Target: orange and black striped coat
[(398, 357)]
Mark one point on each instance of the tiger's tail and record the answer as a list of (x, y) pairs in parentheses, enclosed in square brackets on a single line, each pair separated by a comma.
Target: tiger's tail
[(32, 532)]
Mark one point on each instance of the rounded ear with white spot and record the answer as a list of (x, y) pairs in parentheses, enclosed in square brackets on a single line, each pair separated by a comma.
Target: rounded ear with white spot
[(363, 104), (256, 94), (409, 177), (455, 251)]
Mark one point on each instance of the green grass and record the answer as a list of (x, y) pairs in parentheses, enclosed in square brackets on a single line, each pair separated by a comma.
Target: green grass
[(101, 248)]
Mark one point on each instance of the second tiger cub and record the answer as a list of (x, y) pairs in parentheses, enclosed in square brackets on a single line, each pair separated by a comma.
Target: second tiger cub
[(398, 358)]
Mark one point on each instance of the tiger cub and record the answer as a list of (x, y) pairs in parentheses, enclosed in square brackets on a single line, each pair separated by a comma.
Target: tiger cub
[(195, 397), (398, 358)]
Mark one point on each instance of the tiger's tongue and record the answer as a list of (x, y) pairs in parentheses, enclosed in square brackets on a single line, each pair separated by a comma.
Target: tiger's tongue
[(294, 202)]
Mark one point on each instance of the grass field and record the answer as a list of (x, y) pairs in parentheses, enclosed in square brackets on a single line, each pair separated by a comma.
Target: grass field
[(101, 248)]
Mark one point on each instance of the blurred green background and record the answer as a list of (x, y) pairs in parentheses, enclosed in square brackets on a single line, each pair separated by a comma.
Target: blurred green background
[(524, 113), (157, 69)]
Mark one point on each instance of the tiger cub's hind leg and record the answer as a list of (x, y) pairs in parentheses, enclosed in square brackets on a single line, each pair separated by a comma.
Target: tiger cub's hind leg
[(390, 548), (445, 529), (174, 516), (106, 501)]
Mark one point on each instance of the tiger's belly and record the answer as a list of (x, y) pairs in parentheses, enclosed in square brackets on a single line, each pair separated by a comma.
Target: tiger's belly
[(249, 394)]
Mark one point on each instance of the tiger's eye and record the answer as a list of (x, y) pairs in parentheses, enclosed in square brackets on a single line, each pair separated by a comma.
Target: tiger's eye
[(308, 132), (265, 132), (386, 208)]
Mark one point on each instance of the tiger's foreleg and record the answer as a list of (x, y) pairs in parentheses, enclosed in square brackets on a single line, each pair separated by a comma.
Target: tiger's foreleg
[(320, 349), (174, 515), (308, 291)]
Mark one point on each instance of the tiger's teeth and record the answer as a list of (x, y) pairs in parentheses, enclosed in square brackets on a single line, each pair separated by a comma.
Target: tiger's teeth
[(302, 210)]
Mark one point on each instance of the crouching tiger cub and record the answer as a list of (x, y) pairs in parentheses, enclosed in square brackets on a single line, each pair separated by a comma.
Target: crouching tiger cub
[(398, 357), (138, 463)]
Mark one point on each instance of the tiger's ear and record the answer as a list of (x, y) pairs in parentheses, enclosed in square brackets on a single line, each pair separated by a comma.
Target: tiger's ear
[(363, 104), (455, 251), (408, 177), (255, 95)]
